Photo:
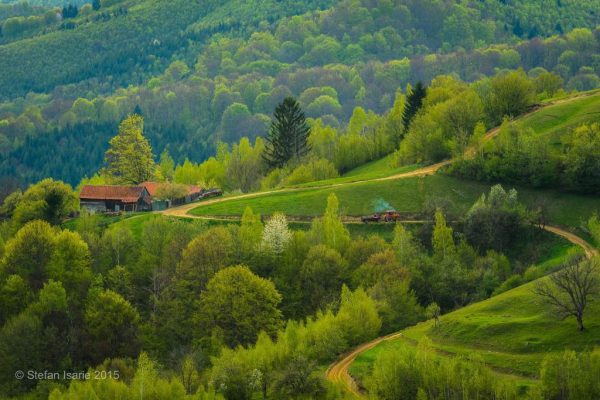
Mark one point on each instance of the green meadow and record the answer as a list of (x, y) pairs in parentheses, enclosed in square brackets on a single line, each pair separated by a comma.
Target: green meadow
[(410, 195)]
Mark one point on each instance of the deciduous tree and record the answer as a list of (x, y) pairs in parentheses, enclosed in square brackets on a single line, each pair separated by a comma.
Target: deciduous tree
[(129, 160), (570, 289), (239, 305)]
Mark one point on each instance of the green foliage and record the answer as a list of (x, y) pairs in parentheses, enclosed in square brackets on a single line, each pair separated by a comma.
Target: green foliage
[(239, 305), (330, 230), (258, 67), (250, 234), (321, 277), (523, 156), (171, 191), (47, 200), (285, 368), (495, 221), (446, 123), (442, 239), (28, 254), (129, 159), (568, 375), (509, 95), (356, 306), (313, 170), (146, 383), (582, 159), (111, 324), (594, 228), (388, 283), (408, 372), (166, 165)]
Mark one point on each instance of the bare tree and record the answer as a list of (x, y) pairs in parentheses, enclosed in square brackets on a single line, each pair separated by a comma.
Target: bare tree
[(570, 289)]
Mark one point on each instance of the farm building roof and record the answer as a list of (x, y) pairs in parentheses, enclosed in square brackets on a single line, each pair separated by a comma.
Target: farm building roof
[(126, 194), (152, 187)]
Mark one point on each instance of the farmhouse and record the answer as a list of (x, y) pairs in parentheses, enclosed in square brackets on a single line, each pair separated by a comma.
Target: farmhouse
[(115, 198)]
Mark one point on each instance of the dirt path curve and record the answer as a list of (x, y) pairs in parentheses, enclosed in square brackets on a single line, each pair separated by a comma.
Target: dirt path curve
[(589, 250), (338, 372)]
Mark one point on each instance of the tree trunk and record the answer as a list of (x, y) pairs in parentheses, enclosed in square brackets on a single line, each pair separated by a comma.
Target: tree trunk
[(580, 326)]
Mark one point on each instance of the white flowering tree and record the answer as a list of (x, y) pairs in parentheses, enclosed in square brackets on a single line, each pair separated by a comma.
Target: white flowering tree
[(276, 234)]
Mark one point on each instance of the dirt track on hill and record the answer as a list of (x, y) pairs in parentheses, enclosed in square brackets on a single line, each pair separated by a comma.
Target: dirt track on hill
[(589, 250), (338, 371)]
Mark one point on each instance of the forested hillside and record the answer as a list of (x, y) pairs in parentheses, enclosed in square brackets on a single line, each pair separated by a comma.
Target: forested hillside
[(203, 72), (288, 199)]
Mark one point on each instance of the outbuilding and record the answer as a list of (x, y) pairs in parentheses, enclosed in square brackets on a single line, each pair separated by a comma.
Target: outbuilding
[(112, 198)]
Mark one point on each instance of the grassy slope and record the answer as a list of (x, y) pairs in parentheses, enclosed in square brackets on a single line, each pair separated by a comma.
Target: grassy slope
[(557, 120), (511, 332), (372, 170)]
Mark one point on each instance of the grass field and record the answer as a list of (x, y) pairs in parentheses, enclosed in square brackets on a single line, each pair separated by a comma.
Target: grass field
[(409, 195), (511, 332), (554, 121)]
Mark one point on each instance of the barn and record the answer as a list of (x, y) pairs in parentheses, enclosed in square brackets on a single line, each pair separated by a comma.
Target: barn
[(103, 198)]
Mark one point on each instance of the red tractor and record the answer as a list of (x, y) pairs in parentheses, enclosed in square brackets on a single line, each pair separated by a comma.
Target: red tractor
[(386, 216)]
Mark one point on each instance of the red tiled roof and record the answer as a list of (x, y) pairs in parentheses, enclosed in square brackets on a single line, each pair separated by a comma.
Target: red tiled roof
[(152, 187), (194, 189), (126, 194)]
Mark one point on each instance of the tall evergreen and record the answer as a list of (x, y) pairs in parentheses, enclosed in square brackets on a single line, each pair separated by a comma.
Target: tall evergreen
[(414, 101), (129, 159), (288, 135)]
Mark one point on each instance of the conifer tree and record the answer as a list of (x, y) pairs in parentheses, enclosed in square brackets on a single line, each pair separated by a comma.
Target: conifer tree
[(288, 135), (129, 159), (414, 102)]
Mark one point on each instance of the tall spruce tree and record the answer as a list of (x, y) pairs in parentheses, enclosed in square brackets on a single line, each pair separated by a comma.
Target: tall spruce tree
[(129, 159), (288, 135), (414, 101)]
